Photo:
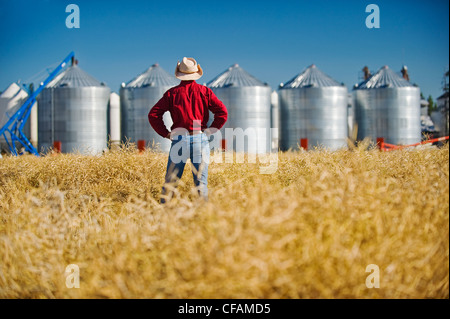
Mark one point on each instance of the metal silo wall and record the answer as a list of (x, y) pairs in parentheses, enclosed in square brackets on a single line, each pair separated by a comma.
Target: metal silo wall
[(316, 113), (135, 104), (391, 113), (75, 116), (45, 124), (248, 107), (365, 114), (114, 119), (10, 102), (275, 120)]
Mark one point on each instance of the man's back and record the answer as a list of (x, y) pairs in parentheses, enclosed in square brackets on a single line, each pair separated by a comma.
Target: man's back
[(189, 104)]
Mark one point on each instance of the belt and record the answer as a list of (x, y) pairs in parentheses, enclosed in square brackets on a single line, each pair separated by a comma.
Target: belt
[(184, 132), (195, 132)]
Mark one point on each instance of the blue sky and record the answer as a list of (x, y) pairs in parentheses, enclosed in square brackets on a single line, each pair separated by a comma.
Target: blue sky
[(272, 40)]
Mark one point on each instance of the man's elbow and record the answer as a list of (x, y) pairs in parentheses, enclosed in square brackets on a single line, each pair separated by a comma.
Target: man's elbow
[(225, 115), (150, 117)]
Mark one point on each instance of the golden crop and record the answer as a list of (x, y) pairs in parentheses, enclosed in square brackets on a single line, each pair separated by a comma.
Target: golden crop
[(307, 231)]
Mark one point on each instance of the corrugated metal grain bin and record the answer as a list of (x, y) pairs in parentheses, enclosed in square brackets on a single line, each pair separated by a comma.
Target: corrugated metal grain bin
[(10, 101), (313, 106), (73, 110), (137, 97), (388, 106), (114, 119), (248, 101)]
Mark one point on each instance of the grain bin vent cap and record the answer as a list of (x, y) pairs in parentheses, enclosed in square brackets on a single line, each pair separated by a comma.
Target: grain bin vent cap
[(154, 76), (74, 77), (235, 76), (310, 77), (384, 78)]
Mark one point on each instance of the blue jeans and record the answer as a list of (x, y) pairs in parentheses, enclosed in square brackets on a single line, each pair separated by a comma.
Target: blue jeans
[(184, 147)]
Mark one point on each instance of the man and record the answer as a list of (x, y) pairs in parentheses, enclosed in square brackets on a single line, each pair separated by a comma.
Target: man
[(189, 104)]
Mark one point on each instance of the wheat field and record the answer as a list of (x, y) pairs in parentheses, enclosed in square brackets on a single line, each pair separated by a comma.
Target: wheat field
[(309, 230)]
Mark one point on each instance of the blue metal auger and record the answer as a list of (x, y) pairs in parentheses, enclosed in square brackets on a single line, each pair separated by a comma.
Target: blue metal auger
[(15, 124)]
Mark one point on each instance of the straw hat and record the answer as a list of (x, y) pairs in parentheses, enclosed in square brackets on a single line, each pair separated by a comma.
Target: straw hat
[(188, 69)]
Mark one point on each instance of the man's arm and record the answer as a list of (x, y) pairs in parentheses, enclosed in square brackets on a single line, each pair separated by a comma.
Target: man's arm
[(219, 110), (155, 116)]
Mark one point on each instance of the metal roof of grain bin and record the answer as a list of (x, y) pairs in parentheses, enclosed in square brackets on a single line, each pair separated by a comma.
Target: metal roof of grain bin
[(313, 106), (235, 76), (137, 97), (388, 106), (248, 101), (73, 110), (311, 77)]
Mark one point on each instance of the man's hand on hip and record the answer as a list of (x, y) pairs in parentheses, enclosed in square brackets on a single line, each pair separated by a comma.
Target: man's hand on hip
[(210, 130)]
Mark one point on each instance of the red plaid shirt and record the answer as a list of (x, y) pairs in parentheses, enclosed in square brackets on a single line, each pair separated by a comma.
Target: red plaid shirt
[(189, 104)]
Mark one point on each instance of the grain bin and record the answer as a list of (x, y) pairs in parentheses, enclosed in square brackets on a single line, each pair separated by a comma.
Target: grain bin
[(351, 115), (313, 106), (137, 97), (114, 119), (73, 110), (248, 101), (443, 109), (11, 99), (388, 106), (275, 119)]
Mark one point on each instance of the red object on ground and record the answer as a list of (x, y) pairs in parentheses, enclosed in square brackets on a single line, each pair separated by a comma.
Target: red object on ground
[(389, 147), (57, 146), (380, 142), (141, 145), (224, 144), (304, 143)]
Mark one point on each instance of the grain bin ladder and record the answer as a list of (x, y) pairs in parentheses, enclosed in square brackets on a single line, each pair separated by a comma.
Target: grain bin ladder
[(15, 124)]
